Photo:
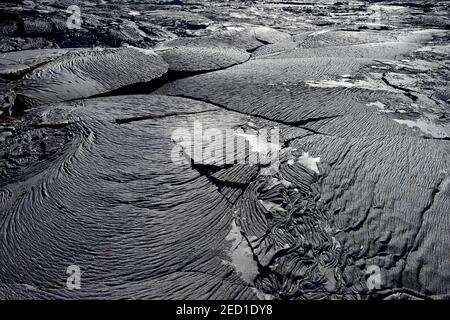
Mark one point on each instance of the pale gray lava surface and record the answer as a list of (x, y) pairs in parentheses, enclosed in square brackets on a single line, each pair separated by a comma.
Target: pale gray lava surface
[(359, 91)]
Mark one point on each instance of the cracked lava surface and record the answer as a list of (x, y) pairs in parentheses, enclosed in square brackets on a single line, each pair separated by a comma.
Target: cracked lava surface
[(358, 92)]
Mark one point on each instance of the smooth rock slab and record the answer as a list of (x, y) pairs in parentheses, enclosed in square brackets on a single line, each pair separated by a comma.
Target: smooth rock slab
[(278, 89), (196, 55), (328, 37), (269, 35), (16, 63), (88, 73), (386, 50)]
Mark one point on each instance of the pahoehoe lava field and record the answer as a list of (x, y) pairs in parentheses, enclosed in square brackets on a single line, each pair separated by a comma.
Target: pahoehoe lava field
[(99, 97)]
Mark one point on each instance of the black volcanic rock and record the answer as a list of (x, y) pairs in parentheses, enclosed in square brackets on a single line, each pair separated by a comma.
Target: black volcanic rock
[(178, 22)]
